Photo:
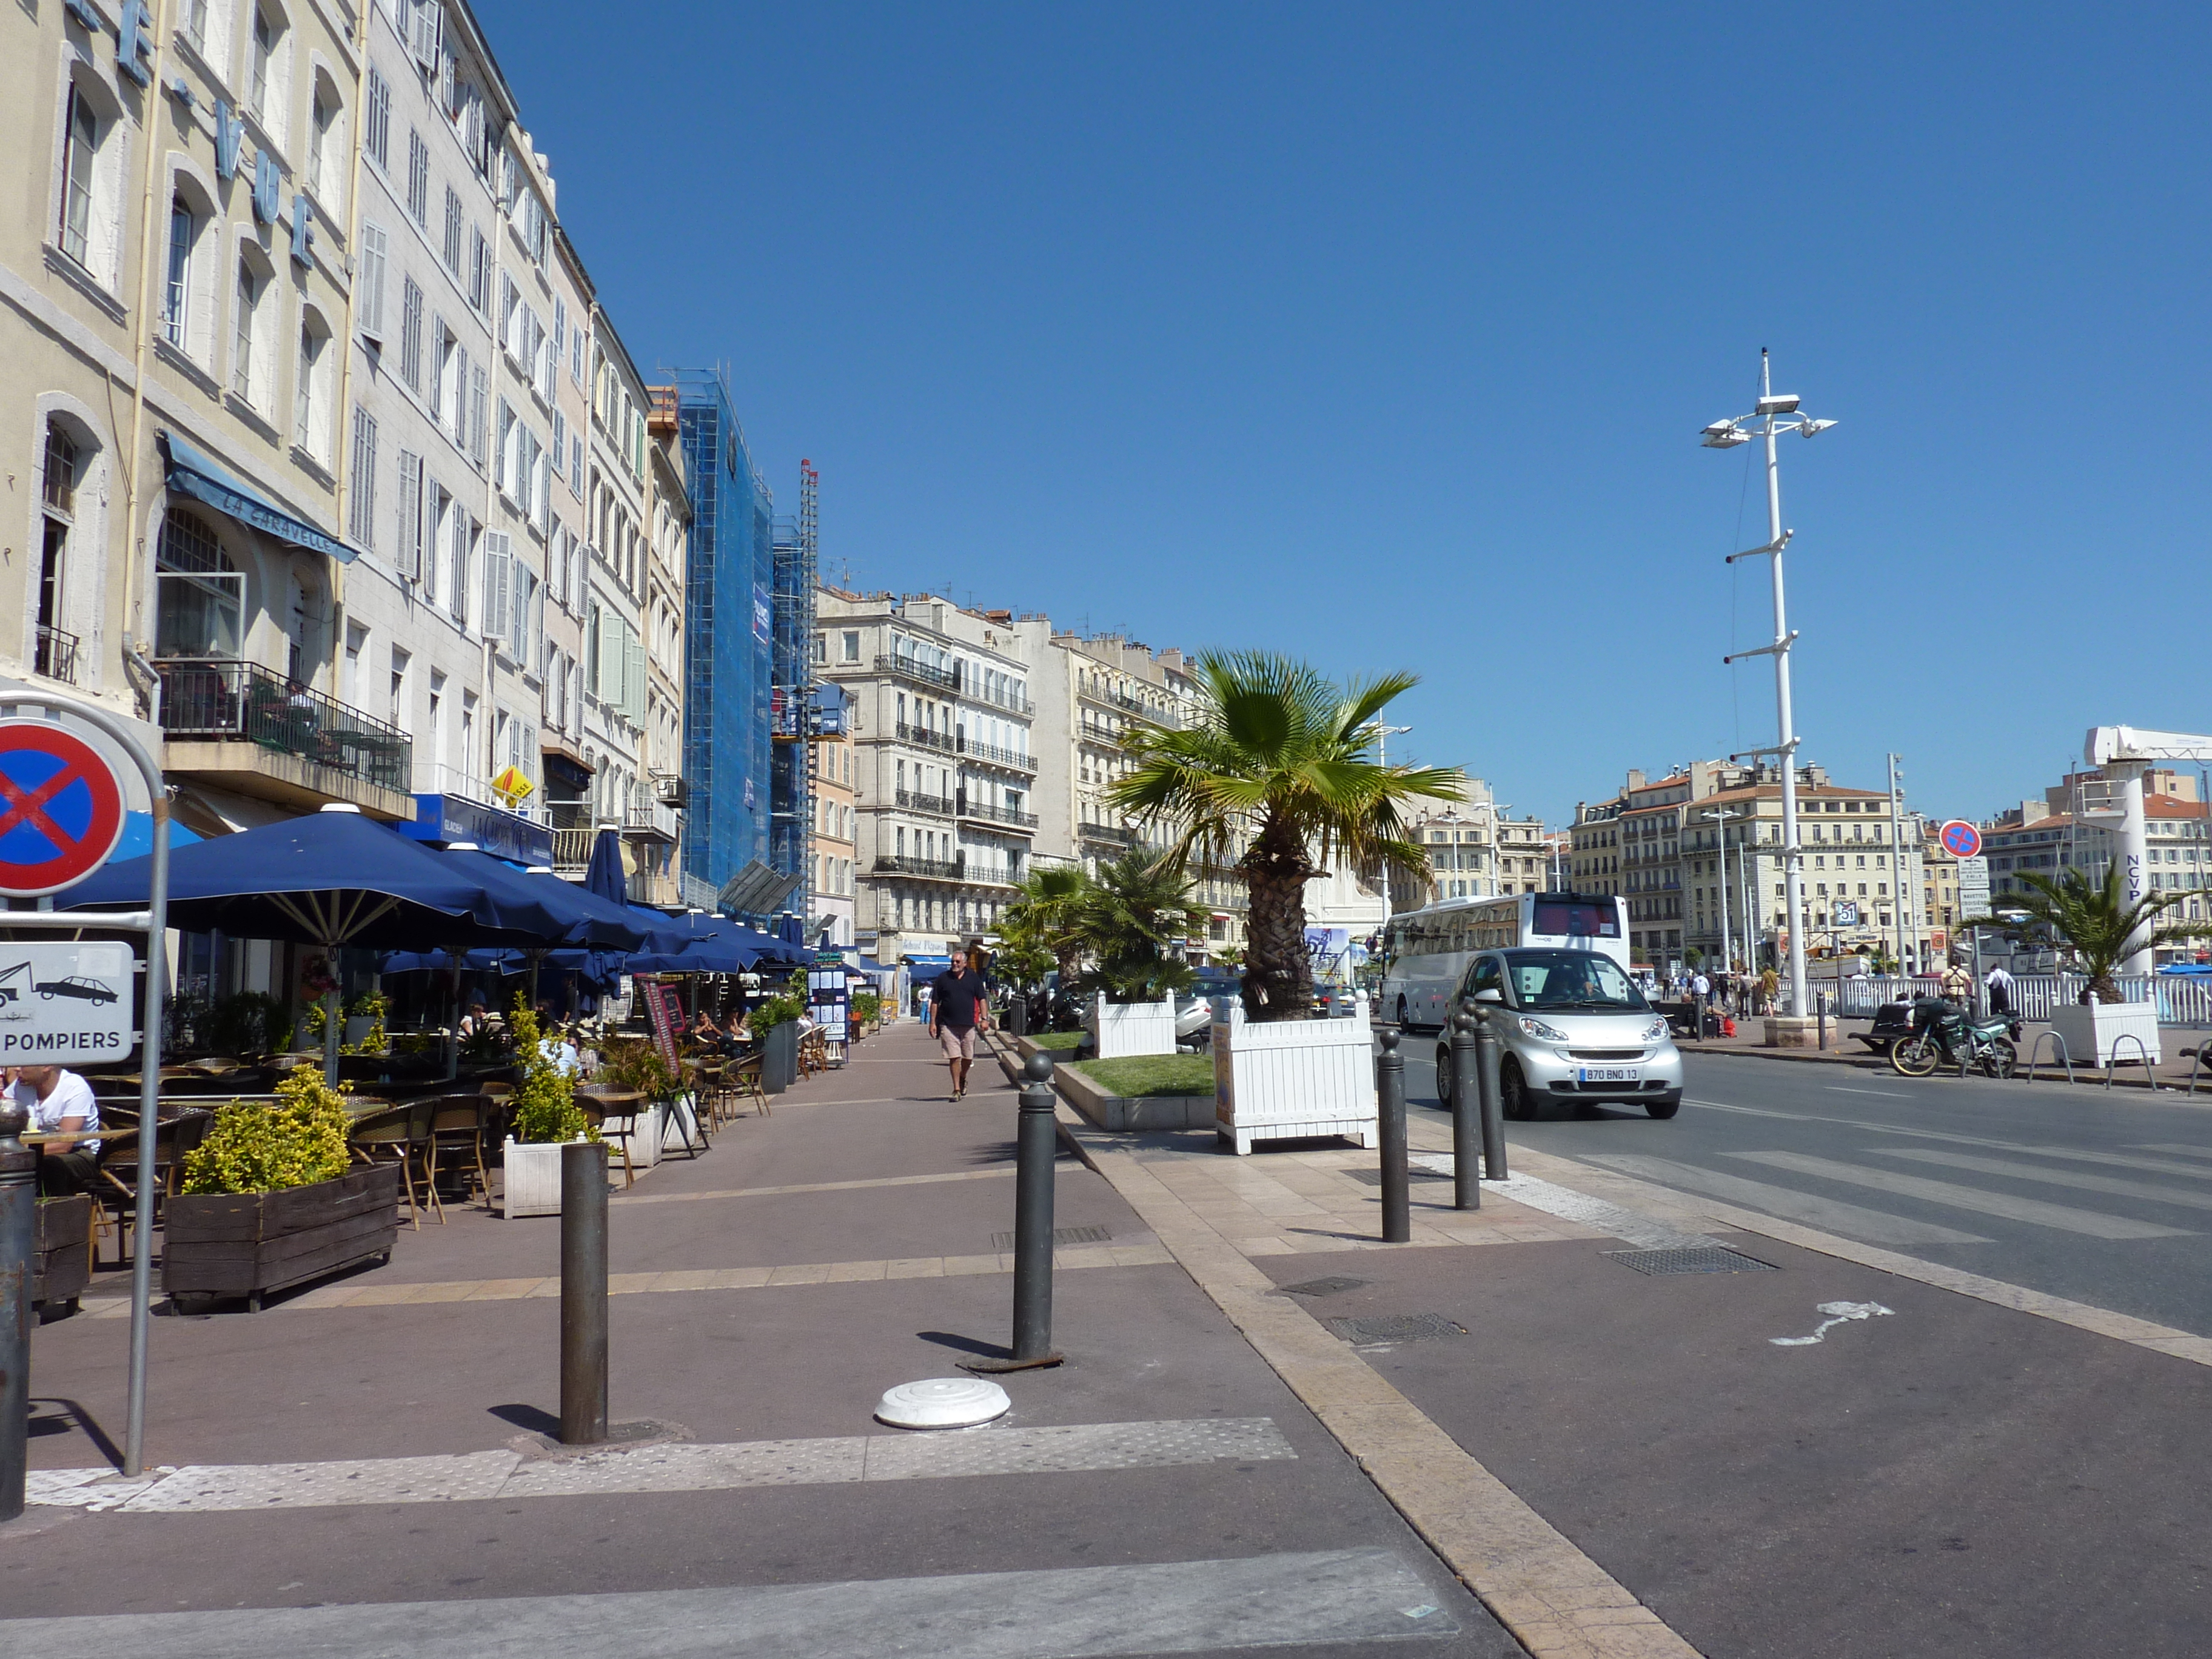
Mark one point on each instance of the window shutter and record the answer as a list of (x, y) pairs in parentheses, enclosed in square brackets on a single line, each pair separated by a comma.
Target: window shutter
[(637, 680), (460, 394), (135, 42), (430, 23), (229, 131), (408, 558), (495, 546), (479, 400), (360, 507), (376, 247), (526, 594)]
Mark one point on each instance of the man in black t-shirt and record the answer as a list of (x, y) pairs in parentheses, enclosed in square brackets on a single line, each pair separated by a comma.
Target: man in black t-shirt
[(956, 1008)]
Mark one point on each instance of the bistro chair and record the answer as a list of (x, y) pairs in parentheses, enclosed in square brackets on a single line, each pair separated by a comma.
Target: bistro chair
[(457, 1123), (742, 1078), (617, 1124), (400, 1134)]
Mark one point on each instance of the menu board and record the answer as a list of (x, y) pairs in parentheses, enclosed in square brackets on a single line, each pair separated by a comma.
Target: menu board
[(829, 998), (665, 1012)]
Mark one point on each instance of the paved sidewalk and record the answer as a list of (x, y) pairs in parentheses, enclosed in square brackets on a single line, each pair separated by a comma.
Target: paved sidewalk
[(377, 1445)]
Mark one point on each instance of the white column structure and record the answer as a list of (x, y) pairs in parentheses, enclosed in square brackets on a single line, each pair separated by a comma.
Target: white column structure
[(2125, 754)]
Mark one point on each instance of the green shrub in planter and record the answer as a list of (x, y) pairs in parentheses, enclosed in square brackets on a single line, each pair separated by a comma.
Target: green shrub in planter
[(634, 1065), (543, 1104), (260, 1146), (866, 1005), (773, 1011)]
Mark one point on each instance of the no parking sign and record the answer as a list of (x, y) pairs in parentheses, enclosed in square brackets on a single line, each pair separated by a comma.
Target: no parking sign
[(61, 808)]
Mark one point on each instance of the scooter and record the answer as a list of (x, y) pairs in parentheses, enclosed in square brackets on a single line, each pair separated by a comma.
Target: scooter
[(1942, 1034)]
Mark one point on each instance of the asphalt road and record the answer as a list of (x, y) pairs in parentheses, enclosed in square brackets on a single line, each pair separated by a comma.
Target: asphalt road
[(2103, 1198)]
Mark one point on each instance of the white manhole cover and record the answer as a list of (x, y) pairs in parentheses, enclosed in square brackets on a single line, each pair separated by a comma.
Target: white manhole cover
[(942, 1402)]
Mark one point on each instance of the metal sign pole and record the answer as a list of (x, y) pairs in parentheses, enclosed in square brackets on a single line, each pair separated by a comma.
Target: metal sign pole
[(154, 921)]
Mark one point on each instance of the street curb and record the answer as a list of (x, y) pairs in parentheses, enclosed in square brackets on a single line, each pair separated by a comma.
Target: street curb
[(2087, 1077), (1553, 1600)]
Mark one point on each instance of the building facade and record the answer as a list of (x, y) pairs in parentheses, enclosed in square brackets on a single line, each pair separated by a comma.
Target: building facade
[(833, 876), (943, 781)]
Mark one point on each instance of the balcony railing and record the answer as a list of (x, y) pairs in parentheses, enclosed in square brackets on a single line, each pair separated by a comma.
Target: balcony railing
[(919, 803), (572, 849), (948, 680), (244, 702), (990, 754), (1157, 715), (56, 656), (941, 869), (649, 818), (1108, 832), (977, 809), (436, 778), (927, 737)]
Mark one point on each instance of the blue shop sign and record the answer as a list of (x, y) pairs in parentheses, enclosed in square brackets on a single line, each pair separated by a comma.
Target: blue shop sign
[(503, 835)]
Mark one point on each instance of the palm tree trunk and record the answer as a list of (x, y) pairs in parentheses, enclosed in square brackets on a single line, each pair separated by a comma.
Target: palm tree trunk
[(1277, 974)]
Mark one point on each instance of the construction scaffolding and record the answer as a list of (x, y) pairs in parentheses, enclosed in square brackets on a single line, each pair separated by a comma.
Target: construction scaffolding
[(791, 788), (729, 639)]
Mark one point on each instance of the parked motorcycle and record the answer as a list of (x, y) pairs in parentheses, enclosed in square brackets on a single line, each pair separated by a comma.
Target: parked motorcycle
[(1942, 1034)]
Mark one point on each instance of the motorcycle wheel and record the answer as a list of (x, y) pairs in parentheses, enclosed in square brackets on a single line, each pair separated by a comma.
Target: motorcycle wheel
[(2000, 1058), (1914, 1057)]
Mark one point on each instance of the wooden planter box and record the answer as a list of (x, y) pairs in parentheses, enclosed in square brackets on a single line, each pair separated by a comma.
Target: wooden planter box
[(1132, 1028), (1293, 1077), (532, 1185), (249, 1244), (61, 1250)]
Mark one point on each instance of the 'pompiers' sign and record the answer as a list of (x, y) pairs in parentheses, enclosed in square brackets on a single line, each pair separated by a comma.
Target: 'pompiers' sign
[(65, 1005)]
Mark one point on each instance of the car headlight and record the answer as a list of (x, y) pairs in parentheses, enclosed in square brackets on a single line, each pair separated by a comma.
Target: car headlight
[(1538, 1029), (1654, 1030)]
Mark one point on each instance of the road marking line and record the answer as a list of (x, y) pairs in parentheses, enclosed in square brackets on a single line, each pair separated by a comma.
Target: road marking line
[(2175, 1146), (681, 1467), (1887, 1094), (2080, 1154), (1876, 1226), (2087, 1183), (624, 1201), (1840, 1313), (2032, 1211), (1329, 1598)]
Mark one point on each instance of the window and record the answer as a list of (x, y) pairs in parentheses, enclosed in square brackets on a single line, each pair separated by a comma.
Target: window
[(852, 645), (576, 356), (410, 333), (453, 230), (249, 298), (376, 134), (195, 25), (368, 285), (457, 564), (56, 648), (201, 595), (407, 558), (479, 269), (479, 394), (262, 87), (323, 119), (81, 146), (310, 399), (419, 178), (176, 295), (361, 502), (504, 464)]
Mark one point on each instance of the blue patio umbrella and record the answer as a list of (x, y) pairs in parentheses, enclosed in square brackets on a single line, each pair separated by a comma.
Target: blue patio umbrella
[(572, 914), (333, 879), (604, 875)]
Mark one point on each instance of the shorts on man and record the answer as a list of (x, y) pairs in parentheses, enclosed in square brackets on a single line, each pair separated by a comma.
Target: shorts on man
[(958, 1042)]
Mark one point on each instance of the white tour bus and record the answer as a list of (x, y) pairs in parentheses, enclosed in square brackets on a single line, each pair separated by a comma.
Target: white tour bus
[(1428, 949)]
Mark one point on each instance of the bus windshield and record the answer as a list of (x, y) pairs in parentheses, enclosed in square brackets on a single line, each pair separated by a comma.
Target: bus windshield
[(1572, 980)]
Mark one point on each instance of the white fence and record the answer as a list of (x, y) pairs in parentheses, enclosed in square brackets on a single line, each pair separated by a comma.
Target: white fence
[(2182, 1001)]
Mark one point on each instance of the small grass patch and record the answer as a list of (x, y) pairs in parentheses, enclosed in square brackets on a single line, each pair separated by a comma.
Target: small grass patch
[(1136, 1077), (1058, 1041)]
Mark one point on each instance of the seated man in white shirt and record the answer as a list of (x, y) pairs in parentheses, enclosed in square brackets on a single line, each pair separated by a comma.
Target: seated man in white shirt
[(60, 1102)]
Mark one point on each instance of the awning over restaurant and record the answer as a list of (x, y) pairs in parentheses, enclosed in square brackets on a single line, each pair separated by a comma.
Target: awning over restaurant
[(192, 472)]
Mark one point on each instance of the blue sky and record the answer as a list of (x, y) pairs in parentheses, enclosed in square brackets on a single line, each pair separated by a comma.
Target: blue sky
[(1383, 336)]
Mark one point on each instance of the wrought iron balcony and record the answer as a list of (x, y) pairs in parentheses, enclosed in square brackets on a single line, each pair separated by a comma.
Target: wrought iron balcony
[(1108, 832), (938, 869), (56, 655), (989, 754), (219, 701), (927, 737), (975, 809), (920, 803)]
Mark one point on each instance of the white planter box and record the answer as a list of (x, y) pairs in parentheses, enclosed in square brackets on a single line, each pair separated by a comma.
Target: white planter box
[(1132, 1028), (1292, 1077), (2093, 1031), (533, 1179)]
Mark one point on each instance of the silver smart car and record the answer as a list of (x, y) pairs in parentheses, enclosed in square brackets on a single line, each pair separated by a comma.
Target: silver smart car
[(1572, 1028)]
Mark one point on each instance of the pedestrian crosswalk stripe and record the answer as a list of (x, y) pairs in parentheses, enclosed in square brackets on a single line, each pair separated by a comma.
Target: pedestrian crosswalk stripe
[(1852, 1220), (1308, 1599), (2176, 1146), (2035, 1211), (2051, 1177)]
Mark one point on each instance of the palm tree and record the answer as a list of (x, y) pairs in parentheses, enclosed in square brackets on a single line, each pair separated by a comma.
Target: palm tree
[(2092, 918), (1279, 753), (1045, 912), (1136, 908)]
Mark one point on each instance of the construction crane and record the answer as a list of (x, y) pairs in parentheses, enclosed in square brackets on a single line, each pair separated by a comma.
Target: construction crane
[(2124, 754)]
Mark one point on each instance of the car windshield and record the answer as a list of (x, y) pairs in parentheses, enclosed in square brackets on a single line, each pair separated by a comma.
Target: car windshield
[(1572, 980)]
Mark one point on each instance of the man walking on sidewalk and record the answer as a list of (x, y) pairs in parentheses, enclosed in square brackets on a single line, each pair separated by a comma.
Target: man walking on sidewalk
[(956, 1008)]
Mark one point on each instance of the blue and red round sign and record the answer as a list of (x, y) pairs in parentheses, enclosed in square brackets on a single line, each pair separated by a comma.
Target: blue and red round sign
[(61, 808), (1961, 839)]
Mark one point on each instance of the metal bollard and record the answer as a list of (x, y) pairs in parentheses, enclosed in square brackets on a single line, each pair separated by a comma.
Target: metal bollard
[(1466, 1112), (1493, 1125), (19, 1221), (583, 1293), (1390, 1108), (1036, 1144), (1820, 1002)]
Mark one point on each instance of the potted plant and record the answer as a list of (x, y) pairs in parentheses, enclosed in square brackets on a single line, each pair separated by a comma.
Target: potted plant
[(774, 1025), (2100, 929), (272, 1198), (364, 1024), (868, 1007), (542, 1116), (635, 1064)]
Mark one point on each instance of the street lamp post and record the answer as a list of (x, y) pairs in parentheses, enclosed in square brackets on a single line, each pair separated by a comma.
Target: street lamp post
[(1721, 815), (1776, 414)]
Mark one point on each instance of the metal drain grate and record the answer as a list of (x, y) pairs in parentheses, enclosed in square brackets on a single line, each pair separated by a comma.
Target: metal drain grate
[(1396, 1328), (1059, 1236), (1704, 1259), (1373, 1177), (1330, 1286)]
